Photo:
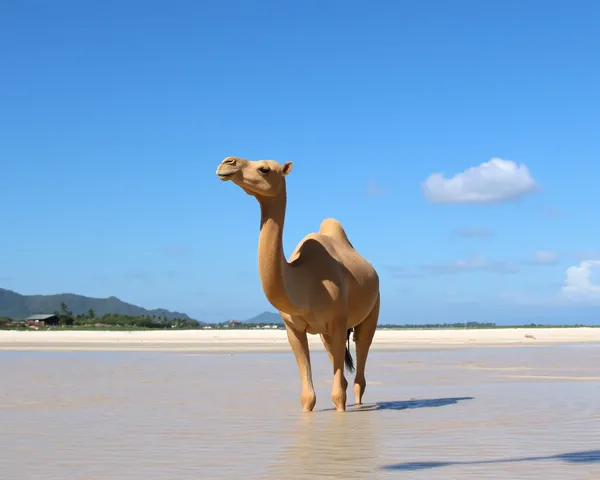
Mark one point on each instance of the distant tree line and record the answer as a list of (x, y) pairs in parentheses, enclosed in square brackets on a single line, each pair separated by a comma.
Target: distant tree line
[(440, 325), (67, 318)]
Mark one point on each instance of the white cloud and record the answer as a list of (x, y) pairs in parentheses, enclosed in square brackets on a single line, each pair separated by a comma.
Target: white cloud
[(578, 290), (544, 257), (471, 264), (578, 284), (494, 181)]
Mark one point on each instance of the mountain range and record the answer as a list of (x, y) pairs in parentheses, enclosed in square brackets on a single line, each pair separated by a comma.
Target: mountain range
[(15, 305), (265, 317)]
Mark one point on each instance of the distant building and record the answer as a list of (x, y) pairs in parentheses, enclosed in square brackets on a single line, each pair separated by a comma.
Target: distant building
[(41, 319)]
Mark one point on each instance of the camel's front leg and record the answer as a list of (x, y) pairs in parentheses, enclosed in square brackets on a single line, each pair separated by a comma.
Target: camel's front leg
[(299, 343), (338, 352)]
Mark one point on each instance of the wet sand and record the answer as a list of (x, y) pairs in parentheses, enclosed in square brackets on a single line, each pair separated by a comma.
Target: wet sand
[(276, 340), (437, 413)]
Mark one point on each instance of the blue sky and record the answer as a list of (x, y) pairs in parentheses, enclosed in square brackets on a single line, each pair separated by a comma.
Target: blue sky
[(115, 115)]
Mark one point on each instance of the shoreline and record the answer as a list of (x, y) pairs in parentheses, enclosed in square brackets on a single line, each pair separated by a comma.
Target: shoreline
[(239, 341)]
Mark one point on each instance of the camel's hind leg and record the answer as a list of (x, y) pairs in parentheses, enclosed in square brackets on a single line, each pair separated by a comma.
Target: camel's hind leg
[(338, 351), (363, 336), (326, 339)]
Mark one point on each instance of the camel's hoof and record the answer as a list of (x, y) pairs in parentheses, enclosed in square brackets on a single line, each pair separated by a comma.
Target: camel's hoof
[(308, 403), (339, 401)]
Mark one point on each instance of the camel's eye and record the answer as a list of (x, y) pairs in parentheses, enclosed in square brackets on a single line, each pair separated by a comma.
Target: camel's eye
[(264, 170)]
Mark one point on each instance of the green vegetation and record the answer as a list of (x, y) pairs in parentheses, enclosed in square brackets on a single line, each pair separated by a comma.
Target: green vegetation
[(437, 326), (474, 326), (108, 321)]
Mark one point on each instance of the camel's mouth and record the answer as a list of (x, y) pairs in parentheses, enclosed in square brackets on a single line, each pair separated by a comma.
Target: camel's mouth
[(225, 176), (225, 173)]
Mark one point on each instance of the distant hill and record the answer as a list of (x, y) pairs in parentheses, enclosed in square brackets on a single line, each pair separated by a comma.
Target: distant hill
[(15, 305), (265, 317)]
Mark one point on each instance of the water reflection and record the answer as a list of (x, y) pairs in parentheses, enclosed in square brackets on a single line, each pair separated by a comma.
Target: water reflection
[(328, 444)]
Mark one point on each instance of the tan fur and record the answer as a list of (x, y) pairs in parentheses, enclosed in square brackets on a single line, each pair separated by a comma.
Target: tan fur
[(326, 288)]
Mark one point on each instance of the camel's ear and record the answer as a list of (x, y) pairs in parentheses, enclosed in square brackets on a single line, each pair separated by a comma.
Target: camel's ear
[(287, 168)]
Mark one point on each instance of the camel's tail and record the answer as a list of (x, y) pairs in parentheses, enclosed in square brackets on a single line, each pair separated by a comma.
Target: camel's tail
[(348, 360)]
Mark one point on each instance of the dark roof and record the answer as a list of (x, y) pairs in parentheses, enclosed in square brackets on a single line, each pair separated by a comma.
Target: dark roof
[(41, 316)]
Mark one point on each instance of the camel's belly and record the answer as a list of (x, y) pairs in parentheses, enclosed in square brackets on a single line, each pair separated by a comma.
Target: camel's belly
[(360, 300), (310, 323)]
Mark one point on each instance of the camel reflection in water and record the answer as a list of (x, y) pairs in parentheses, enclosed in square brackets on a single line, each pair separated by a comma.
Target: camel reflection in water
[(326, 444), (329, 444)]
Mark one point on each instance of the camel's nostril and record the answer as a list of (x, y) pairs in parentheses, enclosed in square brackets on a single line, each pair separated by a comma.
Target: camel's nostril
[(229, 161)]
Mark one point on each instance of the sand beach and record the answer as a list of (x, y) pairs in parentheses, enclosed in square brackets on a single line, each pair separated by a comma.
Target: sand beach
[(263, 340)]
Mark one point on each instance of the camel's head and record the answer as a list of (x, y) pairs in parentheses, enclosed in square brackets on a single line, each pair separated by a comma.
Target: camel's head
[(260, 178)]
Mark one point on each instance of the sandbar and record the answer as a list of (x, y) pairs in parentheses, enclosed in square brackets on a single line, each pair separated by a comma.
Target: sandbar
[(262, 340)]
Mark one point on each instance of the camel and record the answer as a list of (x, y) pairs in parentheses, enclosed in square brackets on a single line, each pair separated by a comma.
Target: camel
[(325, 288)]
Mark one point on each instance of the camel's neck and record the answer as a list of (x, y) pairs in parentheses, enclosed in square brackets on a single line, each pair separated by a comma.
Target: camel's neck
[(274, 270)]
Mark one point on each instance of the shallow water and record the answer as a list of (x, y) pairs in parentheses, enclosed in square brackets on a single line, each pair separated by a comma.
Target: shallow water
[(493, 413)]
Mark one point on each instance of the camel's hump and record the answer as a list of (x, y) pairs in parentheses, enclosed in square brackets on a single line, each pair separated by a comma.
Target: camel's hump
[(332, 228)]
